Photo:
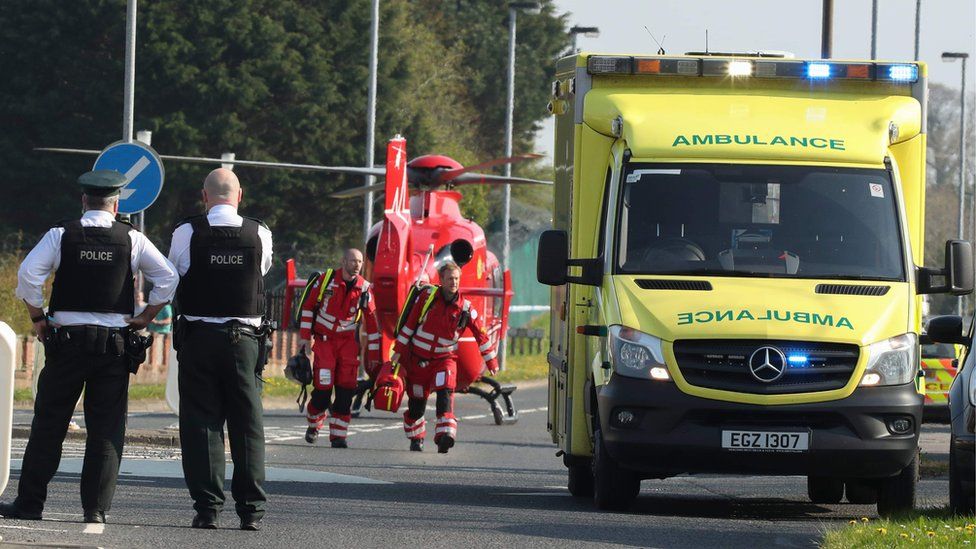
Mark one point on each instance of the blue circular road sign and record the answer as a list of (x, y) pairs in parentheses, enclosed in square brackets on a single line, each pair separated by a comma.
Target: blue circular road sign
[(143, 171)]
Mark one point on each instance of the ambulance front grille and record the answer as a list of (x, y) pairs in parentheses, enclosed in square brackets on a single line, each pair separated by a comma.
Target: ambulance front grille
[(723, 364)]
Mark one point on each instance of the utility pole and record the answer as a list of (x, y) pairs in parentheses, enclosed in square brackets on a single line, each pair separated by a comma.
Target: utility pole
[(371, 117), (128, 88), (918, 24), (874, 29), (826, 33), (950, 57)]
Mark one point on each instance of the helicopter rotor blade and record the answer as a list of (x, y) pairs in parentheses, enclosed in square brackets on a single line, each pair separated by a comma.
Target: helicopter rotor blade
[(451, 175), (379, 172), (487, 179), (359, 191)]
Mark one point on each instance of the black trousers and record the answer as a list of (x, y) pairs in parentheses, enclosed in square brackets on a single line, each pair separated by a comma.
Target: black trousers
[(105, 380), (219, 383)]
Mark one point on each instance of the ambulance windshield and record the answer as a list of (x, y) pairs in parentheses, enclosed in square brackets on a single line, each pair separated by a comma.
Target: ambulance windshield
[(770, 221)]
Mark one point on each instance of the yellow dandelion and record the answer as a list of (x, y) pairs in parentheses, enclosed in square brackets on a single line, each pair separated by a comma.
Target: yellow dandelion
[(882, 531), (864, 519), (930, 534), (852, 522), (904, 535)]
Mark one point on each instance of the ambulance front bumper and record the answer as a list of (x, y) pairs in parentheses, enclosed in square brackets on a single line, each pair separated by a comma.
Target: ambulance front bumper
[(656, 429)]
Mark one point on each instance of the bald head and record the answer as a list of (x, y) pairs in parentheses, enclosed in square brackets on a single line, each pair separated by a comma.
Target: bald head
[(352, 263), (222, 187)]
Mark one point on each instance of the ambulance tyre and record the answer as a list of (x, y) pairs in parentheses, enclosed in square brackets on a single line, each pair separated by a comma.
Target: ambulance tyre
[(861, 492), (581, 479), (614, 488), (825, 490), (896, 495)]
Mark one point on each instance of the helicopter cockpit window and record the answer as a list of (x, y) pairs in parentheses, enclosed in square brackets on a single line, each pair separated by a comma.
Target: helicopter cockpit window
[(498, 283), (741, 220)]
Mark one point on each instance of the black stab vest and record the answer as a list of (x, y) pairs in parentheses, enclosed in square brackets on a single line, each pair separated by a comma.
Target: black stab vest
[(95, 272), (224, 278)]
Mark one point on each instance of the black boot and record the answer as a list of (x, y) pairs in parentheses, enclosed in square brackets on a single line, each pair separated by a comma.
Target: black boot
[(445, 443), (339, 443), (95, 517), (206, 521), (311, 434), (416, 445), (11, 511)]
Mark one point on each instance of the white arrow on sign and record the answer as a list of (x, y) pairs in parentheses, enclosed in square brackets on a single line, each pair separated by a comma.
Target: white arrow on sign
[(133, 173)]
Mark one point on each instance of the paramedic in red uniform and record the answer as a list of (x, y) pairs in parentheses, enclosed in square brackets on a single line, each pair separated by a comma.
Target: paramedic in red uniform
[(331, 315), (427, 344)]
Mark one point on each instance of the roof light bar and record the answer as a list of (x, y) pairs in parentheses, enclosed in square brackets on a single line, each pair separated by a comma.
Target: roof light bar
[(740, 68), (901, 73), (818, 70)]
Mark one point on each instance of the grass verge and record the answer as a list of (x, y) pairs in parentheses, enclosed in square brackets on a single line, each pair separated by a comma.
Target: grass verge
[(519, 368), (935, 528), (524, 368)]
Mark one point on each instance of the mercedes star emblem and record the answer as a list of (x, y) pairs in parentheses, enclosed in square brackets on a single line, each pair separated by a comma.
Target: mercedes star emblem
[(767, 364)]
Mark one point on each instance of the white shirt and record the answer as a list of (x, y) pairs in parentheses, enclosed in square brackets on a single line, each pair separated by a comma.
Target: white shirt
[(45, 258), (221, 215)]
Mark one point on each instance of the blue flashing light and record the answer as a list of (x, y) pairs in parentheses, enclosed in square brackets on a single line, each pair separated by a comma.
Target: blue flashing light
[(797, 359), (903, 72), (818, 70)]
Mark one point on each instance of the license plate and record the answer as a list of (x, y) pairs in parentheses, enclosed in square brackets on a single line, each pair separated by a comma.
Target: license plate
[(765, 441)]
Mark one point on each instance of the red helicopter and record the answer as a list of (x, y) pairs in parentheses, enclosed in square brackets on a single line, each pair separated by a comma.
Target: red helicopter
[(420, 231)]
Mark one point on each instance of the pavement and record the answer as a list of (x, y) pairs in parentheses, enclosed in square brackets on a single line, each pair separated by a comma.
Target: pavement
[(500, 486)]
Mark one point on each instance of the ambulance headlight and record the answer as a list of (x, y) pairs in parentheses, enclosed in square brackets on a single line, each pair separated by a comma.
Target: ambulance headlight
[(636, 354), (893, 361)]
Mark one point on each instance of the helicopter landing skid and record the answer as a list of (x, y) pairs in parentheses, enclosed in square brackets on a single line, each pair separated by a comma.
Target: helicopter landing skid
[(504, 415)]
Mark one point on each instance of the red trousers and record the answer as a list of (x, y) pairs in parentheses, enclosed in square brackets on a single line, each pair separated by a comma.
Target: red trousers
[(336, 362), (424, 377)]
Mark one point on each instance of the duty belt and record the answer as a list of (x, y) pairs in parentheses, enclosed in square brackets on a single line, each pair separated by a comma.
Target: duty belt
[(97, 340)]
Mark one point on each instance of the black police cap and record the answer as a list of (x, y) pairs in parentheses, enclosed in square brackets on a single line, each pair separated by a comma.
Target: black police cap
[(102, 182)]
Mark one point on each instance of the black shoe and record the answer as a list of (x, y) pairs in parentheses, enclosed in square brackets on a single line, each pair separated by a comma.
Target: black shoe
[(95, 517), (207, 521), (251, 524), (10, 511), (416, 445), (311, 434), (339, 443), (444, 444)]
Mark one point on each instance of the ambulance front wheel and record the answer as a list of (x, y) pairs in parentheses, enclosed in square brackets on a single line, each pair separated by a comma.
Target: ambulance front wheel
[(896, 495), (825, 490), (614, 488), (581, 479)]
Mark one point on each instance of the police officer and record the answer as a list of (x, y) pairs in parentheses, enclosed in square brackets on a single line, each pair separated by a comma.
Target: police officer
[(222, 259), (85, 334)]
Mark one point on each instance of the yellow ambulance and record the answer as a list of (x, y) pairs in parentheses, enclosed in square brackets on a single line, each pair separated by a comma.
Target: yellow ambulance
[(735, 273)]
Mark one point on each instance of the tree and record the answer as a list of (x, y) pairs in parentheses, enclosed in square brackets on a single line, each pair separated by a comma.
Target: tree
[(268, 80)]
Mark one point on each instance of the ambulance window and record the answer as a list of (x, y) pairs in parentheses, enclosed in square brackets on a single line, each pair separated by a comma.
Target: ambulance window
[(759, 220)]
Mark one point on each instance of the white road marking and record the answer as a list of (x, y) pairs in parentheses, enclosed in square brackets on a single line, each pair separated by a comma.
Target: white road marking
[(34, 528), (93, 529), (158, 468)]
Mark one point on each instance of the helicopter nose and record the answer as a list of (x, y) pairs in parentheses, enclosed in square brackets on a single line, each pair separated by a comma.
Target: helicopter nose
[(462, 251)]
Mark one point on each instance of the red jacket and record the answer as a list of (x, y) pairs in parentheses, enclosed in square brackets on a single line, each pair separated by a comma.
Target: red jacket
[(341, 310), (436, 335)]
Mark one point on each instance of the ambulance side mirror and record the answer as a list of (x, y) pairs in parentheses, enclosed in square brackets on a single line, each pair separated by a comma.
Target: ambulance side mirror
[(959, 267), (946, 329), (553, 261), (956, 277)]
